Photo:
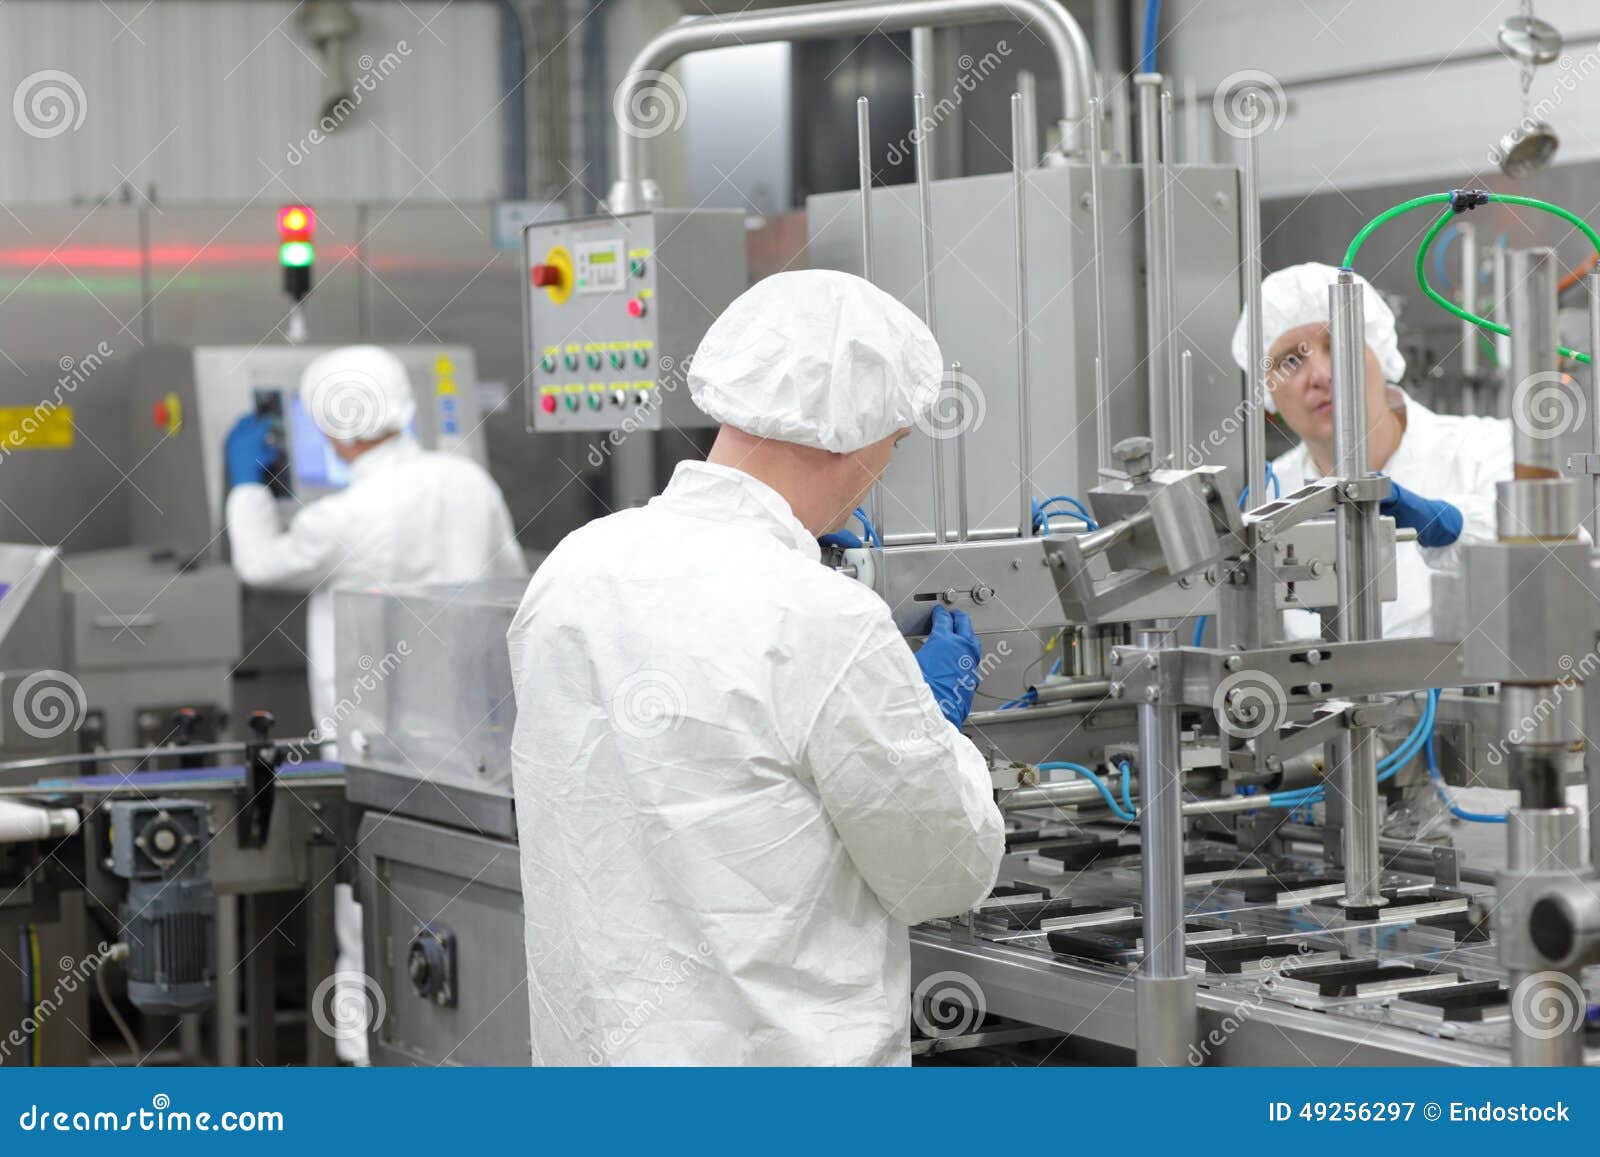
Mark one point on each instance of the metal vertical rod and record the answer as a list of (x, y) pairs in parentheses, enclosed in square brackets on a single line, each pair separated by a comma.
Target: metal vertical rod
[(1019, 181), (1028, 89), (1594, 410), (1533, 364), (1184, 429), (1165, 993), (1355, 755), (924, 67), (925, 210), (864, 163), (1121, 129), (1469, 297), (1157, 324), (228, 1045), (1170, 262), (1191, 122), (963, 529), (1502, 342), (1097, 225), (1255, 388)]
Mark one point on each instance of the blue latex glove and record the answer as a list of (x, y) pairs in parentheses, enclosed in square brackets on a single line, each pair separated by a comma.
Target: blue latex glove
[(949, 662), (843, 539), (1437, 522), (249, 454)]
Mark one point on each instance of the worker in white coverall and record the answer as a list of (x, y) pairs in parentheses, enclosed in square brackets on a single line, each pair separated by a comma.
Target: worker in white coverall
[(736, 785), (1443, 468), (407, 515)]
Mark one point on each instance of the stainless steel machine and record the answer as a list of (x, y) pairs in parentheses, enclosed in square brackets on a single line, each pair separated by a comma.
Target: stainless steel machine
[(165, 623), (427, 752), (1203, 865)]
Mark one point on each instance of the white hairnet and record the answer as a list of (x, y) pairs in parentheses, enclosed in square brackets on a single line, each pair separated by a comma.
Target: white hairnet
[(818, 358), (358, 392), (1298, 295)]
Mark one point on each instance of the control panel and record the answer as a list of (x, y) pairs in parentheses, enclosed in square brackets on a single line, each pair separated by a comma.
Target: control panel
[(616, 305)]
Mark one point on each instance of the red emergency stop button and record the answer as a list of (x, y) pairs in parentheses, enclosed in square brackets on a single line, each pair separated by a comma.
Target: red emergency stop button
[(158, 414), (548, 403), (546, 276), (636, 307)]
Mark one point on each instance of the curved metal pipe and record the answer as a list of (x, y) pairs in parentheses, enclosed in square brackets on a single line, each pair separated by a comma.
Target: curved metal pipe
[(854, 18)]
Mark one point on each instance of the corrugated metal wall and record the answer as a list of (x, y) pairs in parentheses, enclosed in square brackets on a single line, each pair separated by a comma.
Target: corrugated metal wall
[(214, 102)]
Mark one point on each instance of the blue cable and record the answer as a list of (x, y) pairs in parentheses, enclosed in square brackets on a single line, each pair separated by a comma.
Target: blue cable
[(1152, 27), (1027, 698), (1444, 793), (1105, 792), (1199, 639), (1127, 787), (1390, 764), (872, 531), (1272, 480), (1041, 512)]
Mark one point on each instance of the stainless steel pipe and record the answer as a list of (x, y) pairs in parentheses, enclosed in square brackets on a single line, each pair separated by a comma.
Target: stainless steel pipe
[(1049, 19), (1158, 324), (1019, 185), (1353, 757)]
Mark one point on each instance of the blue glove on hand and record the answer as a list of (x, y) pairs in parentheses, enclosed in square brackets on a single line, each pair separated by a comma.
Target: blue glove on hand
[(843, 539), (249, 452), (1437, 522), (949, 662)]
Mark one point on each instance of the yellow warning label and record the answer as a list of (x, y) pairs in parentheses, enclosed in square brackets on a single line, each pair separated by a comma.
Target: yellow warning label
[(41, 427)]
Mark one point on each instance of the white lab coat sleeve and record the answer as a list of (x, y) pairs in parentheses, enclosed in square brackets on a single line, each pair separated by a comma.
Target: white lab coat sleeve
[(1486, 452), (909, 795), (265, 554)]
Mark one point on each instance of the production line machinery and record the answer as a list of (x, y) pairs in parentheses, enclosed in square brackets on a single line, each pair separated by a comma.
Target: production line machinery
[(199, 873), (1260, 914)]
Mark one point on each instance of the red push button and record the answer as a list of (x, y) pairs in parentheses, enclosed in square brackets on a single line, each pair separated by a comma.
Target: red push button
[(548, 403), (545, 276), (636, 307), (159, 415)]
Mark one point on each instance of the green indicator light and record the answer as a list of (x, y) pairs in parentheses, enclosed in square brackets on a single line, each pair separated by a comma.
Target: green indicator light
[(296, 254)]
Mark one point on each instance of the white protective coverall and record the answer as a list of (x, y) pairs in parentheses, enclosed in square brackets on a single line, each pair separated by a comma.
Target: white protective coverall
[(1458, 459), (408, 515), (734, 793), (734, 789)]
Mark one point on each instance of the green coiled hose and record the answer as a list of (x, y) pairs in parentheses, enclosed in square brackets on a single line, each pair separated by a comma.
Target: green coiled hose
[(1428, 239)]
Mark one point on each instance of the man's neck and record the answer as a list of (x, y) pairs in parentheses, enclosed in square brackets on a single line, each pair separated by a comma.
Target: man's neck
[(1383, 439)]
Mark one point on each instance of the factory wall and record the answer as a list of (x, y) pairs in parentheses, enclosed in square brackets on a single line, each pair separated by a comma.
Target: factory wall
[(220, 102), (1434, 121)]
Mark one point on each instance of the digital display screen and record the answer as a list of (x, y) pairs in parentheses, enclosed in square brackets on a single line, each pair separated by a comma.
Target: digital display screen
[(312, 460), (603, 257)]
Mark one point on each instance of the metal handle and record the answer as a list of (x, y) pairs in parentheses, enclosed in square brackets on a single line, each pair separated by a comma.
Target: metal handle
[(114, 622)]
